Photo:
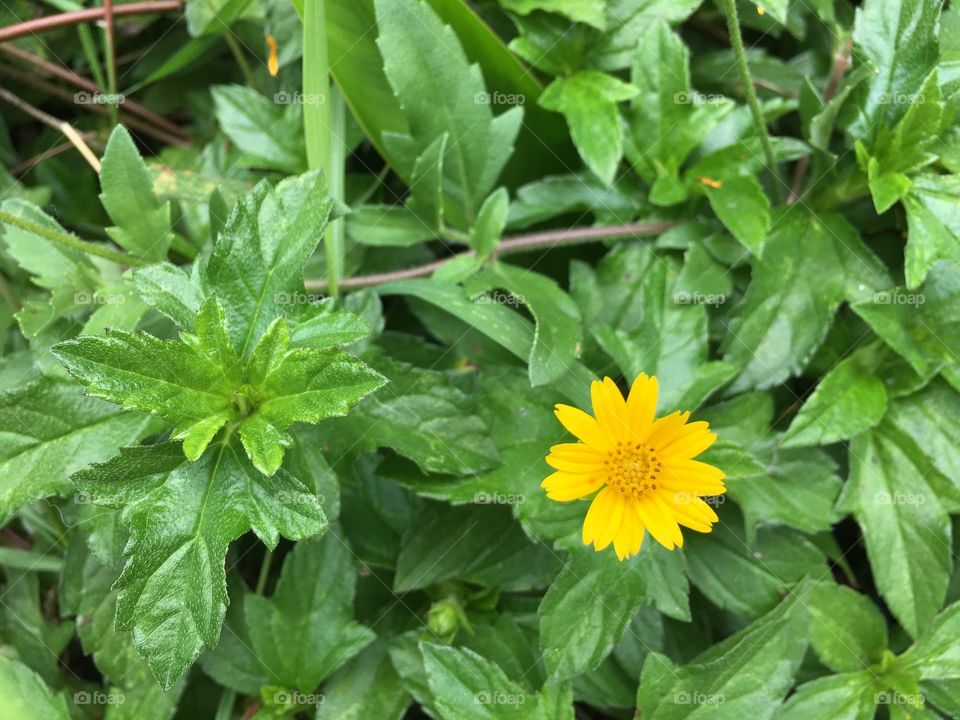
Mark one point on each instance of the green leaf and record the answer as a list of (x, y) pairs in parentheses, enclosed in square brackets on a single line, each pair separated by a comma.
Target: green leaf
[(292, 385), (626, 21), (305, 630), (849, 400), (467, 686), (143, 224), (268, 131), (26, 696), (444, 542), (199, 384), (182, 516), (558, 328), (906, 530), (900, 39), (773, 485), (784, 315), (591, 603), (51, 430), (189, 384), (747, 674), (367, 687), (588, 100), (743, 207), (933, 225), (257, 264), (170, 290), (417, 45), (423, 417), (667, 121), (387, 226), (591, 12), (849, 696), (936, 652), (924, 326), (649, 317), (750, 580), (847, 630), (491, 220)]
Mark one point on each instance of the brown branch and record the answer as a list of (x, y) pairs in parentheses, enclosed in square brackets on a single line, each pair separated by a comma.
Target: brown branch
[(509, 245), (134, 124), (83, 83), (841, 62), (76, 17)]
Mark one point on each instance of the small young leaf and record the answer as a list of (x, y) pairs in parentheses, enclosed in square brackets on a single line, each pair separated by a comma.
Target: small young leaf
[(589, 100), (143, 225)]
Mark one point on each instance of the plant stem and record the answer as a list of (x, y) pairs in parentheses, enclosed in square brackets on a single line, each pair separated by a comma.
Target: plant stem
[(70, 241), (336, 230), (323, 124), (515, 244), (31, 27), (264, 571), (109, 50), (736, 42), (238, 55)]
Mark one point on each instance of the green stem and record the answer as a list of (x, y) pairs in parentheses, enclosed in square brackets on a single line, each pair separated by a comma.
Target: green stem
[(264, 571), (336, 230), (238, 55), (110, 53), (736, 42), (68, 240), (323, 123)]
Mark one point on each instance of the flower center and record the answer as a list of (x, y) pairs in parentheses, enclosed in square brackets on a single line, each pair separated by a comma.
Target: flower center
[(632, 468)]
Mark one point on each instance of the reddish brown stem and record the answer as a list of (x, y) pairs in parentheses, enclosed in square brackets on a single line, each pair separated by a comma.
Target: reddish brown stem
[(83, 83), (515, 244), (76, 17)]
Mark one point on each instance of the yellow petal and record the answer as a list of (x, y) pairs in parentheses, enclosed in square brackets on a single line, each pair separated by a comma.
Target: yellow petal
[(582, 426), (662, 431), (661, 526), (690, 511), (690, 441), (600, 516), (610, 408), (575, 458), (628, 540), (642, 404), (611, 528), (565, 487), (693, 471)]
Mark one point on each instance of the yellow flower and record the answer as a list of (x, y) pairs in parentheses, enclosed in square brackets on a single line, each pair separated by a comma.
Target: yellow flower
[(642, 466)]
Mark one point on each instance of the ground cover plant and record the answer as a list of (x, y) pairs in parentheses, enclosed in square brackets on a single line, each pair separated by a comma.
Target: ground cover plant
[(479, 359)]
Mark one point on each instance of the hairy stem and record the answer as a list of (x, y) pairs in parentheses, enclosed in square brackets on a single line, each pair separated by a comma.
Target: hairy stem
[(736, 42), (69, 240)]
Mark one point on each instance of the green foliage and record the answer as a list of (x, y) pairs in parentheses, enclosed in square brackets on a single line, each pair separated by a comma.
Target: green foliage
[(246, 474)]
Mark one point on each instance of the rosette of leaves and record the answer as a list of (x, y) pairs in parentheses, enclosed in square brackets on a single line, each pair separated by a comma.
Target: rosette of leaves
[(253, 356)]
